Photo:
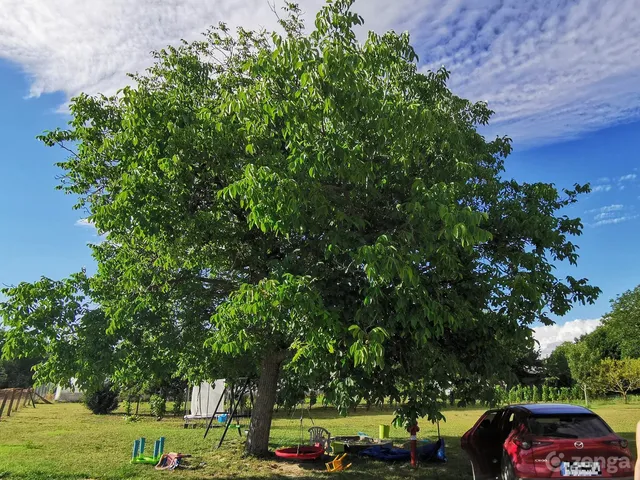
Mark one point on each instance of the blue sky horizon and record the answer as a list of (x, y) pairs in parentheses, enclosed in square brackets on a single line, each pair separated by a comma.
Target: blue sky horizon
[(562, 78)]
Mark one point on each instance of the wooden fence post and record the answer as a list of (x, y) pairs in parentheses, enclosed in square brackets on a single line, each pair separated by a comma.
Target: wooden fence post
[(4, 401), (18, 402), (26, 397), (13, 393)]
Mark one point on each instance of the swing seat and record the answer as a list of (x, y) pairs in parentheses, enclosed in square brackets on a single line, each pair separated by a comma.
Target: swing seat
[(300, 453)]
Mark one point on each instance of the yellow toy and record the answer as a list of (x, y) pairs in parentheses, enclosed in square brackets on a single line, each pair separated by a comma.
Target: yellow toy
[(336, 465)]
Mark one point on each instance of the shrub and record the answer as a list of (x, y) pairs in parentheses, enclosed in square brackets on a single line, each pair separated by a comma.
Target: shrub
[(127, 407), (178, 406), (526, 393), (158, 406), (576, 392), (545, 393), (102, 401), (519, 394), (535, 396)]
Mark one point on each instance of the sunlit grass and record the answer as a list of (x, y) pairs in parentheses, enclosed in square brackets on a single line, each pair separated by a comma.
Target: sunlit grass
[(65, 441)]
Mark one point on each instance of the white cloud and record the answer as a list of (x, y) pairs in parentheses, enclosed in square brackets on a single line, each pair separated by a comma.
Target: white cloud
[(84, 222), (601, 188), (606, 208), (614, 220), (611, 214), (551, 70), (551, 336), (603, 215), (604, 180), (626, 178)]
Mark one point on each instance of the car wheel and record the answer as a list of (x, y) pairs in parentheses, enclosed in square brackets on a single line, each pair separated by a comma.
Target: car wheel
[(507, 472)]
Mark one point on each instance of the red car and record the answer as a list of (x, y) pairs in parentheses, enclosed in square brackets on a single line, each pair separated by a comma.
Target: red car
[(522, 442)]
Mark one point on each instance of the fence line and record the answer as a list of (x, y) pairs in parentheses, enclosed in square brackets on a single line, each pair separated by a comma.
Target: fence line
[(10, 400)]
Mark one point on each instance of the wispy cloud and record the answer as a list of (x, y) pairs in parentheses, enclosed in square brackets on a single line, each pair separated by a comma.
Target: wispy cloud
[(611, 215), (551, 70), (84, 222), (627, 178), (614, 219), (551, 336), (606, 208), (601, 188)]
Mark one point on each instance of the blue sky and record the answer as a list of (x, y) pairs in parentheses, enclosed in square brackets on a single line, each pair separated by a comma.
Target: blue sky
[(562, 76)]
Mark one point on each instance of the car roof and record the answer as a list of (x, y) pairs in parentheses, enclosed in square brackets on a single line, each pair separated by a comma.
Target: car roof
[(551, 409)]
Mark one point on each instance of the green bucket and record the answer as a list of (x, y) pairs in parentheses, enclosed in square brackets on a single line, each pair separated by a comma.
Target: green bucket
[(383, 431)]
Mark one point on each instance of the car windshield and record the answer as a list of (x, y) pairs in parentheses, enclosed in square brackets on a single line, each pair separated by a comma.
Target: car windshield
[(568, 426)]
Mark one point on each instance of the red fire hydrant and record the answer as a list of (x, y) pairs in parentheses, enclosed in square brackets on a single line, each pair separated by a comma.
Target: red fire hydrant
[(413, 431)]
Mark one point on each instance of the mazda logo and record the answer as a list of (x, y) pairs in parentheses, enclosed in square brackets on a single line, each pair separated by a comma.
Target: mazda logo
[(578, 444)]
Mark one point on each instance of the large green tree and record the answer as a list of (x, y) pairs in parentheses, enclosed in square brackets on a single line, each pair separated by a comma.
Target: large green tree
[(583, 362), (558, 373), (319, 207), (619, 376), (16, 373), (60, 323), (622, 324)]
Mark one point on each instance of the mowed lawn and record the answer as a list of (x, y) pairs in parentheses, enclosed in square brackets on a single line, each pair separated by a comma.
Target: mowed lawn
[(65, 441)]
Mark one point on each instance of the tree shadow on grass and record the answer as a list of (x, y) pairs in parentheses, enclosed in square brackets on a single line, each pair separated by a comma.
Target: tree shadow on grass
[(457, 467)]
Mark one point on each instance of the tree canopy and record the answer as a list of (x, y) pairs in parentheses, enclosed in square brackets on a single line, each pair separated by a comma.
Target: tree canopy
[(557, 366), (306, 203), (622, 324), (619, 376)]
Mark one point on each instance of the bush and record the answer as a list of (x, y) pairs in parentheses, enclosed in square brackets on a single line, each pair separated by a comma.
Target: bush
[(158, 406), (535, 396), (128, 407), (178, 406), (102, 401), (545, 393), (519, 394), (576, 392)]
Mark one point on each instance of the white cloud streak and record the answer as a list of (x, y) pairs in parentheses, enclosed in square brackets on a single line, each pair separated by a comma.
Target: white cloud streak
[(601, 188), (611, 215), (627, 178), (550, 69), (551, 336), (614, 220), (606, 208), (84, 222)]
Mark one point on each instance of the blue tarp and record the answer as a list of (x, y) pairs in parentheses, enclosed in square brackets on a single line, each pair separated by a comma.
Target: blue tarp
[(431, 452)]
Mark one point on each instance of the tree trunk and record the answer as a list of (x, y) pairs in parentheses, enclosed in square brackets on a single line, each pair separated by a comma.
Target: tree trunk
[(260, 427), (624, 397), (586, 399)]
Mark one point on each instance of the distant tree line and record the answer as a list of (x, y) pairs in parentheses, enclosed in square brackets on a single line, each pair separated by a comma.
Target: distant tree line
[(603, 362)]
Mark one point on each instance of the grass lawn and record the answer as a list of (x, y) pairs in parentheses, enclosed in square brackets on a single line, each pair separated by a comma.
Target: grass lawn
[(65, 441)]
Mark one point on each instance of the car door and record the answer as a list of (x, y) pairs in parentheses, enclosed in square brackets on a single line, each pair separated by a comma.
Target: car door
[(482, 444)]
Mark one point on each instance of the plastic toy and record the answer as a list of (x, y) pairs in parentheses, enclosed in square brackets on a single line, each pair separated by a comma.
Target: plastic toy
[(138, 456), (300, 453), (337, 464)]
